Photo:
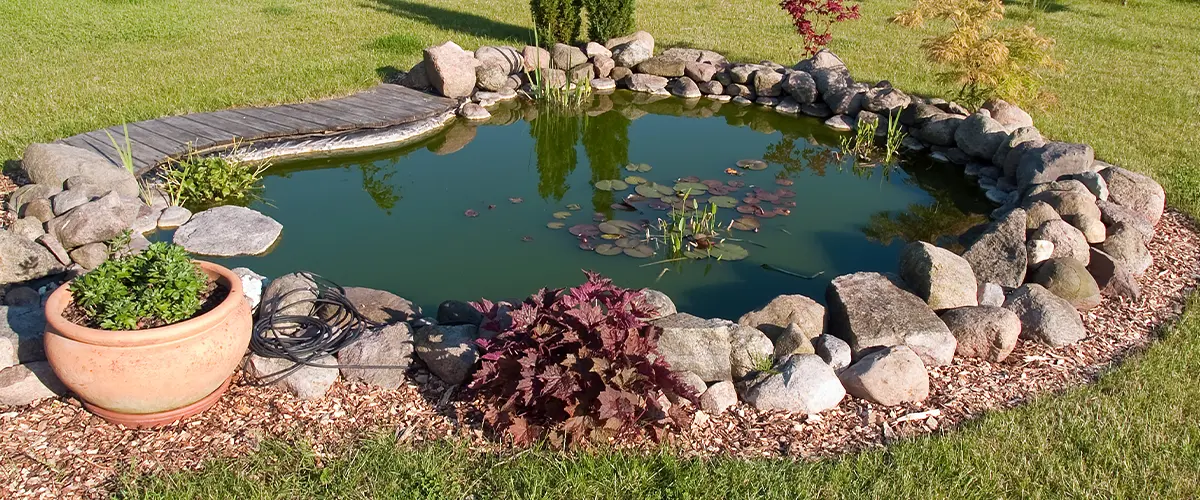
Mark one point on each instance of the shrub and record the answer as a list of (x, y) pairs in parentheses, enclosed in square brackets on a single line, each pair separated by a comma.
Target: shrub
[(557, 20), (814, 20), (576, 365), (986, 61), (206, 181), (609, 18), (157, 287)]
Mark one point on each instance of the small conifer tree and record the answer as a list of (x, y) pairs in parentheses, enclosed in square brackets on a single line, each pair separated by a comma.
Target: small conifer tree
[(609, 18), (557, 21)]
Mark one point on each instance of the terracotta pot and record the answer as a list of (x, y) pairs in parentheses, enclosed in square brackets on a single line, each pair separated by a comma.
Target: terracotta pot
[(150, 374)]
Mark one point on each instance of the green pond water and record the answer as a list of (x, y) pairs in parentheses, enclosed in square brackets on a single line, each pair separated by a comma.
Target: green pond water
[(395, 219)]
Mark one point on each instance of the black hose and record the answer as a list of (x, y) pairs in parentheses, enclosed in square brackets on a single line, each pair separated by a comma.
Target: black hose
[(333, 325)]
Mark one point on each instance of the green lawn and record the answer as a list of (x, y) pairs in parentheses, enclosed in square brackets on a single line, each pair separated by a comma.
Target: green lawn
[(1128, 90)]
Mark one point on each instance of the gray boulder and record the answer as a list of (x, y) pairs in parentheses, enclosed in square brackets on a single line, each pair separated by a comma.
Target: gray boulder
[(918, 113), (491, 77), (63, 202), (228, 231), (693, 381), (869, 310), (823, 59), (565, 57), (24, 260), (739, 90), (803, 384), (659, 304), (662, 66), (21, 331), (1045, 317), (841, 123), (29, 383), (1069, 279), (1008, 115), (890, 376), (684, 87), (1112, 277), (980, 136), (701, 346), (836, 352), (885, 100), (94, 222), (1038, 213), (718, 397), (639, 82), (1127, 246), (768, 83), (632, 52), (53, 164), (389, 345), (941, 277), (743, 73), (831, 79), (90, 256), (451, 70), (381, 306), (1038, 251), (985, 332), (1024, 135), (991, 294), (1112, 214), (998, 255), (940, 130), (474, 112), (696, 55), (506, 59), (603, 66), (793, 340), (25, 194), (846, 101), (1068, 241), (1094, 183), (593, 49), (1052, 161), (713, 88), (307, 382), (640, 36), (173, 217), (457, 312), (535, 58), (800, 86), (291, 295), (785, 310), (1136, 192), (448, 351), (699, 72), (748, 348), (417, 78), (51, 243)]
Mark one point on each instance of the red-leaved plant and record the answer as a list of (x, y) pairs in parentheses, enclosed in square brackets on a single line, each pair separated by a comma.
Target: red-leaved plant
[(814, 20), (577, 365)]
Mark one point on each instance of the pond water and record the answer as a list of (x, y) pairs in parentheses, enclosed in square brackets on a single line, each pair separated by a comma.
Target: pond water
[(398, 220)]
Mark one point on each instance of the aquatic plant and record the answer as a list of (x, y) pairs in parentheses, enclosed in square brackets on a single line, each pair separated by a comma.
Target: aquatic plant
[(861, 145), (200, 181), (895, 136), (549, 92)]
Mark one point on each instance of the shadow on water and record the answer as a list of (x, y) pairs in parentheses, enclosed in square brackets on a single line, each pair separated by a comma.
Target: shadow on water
[(452, 20)]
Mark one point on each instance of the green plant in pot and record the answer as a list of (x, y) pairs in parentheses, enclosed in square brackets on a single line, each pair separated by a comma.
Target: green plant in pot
[(148, 339)]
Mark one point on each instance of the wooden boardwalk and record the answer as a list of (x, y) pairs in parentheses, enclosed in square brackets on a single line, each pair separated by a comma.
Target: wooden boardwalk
[(155, 141)]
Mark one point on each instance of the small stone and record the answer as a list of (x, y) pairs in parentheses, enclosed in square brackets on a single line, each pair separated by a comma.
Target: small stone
[(684, 87), (1112, 214), (836, 352), (1038, 251), (603, 84), (1094, 182), (889, 376), (65, 201), (793, 340), (1065, 239), (252, 285), (1039, 213), (291, 295), (389, 345), (991, 294), (718, 398), (307, 382), (28, 228), (768, 84), (93, 222), (474, 112), (593, 49), (841, 123), (803, 384), (985, 332), (51, 243), (173, 217), (658, 303)]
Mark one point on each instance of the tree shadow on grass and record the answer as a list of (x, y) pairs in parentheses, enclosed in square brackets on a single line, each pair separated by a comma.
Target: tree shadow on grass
[(462, 22)]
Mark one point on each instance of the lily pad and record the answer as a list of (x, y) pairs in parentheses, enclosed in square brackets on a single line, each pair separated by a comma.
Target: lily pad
[(561, 215), (749, 209), (752, 164), (626, 227), (573, 207), (787, 203), (696, 254), (723, 201), (766, 214), (635, 180), (556, 225), (728, 251), (690, 178), (640, 252), (720, 190), (586, 245), (736, 184), (785, 193), (609, 228), (784, 181), (768, 197), (694, 187), (649, 190), (628, 242), (611, 237), (638, 167), (746, 223), (782, 211), (516, 200), (608, 249), (612, 185), (751, 200), (711, 183), (583, 230), (624, 207), (658, 205), (471, 213)]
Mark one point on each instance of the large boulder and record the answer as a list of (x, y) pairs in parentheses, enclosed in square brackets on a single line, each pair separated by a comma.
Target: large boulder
[(535, 58), (381, 306), (784, 310), (507, 59), (917, 113), (985, 332), (53, 164), (449, 351), (24, 260), (659, 304), (695, 55), (1113, 278), (491, 77), (834, 351), (1024, 135), (999, 255), (1052, 161), (1135, 191), (1128, 247), (831, 79), (565, 57), (980, 136), (802, 383), (685, 88), (941, 277), (845, 101), (307, 382), (22, 196), (1008, 115), (29, 383), (630, 51), (1068, 241), (885, 100), (748, 349), (699, 72), (21, 330), (768, 83), (800, 86), (451, 70), (662, 66), (1069, 279), (390, 345), (1045, 317), (639, 82), (940, 130), (869, 310), (94, 221), (700, 346), (229, 231), (1112, 214), (640, 36), (292, 294), (889, 377), (823, 59)]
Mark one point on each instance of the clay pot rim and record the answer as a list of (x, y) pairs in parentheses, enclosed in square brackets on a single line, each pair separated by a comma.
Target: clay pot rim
[(61, 298)]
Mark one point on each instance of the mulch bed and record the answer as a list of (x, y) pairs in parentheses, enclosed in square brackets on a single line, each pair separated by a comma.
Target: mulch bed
[(55, 449)]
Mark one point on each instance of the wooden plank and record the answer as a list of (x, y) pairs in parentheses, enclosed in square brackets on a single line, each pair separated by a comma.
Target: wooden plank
[(102, 146), (80, 142), (305, 126), (403, 101), (282, 125), (143, 137), (235, 116), (307, 109), (186, 140), (416, 95), (231, 127), (142, 155), (360, 119), (397, 110), (318, 123)]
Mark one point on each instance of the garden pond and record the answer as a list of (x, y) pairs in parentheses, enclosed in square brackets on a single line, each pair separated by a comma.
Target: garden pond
[(502, 209)]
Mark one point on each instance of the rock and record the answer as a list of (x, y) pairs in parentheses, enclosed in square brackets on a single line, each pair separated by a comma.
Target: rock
[(991, 294), (474, 112), (699, 72), (291, 295), (868, 310), (638, 82), (1112, 214), (847, 101), (307, 382), (768, 84), (581, 74), (1136, 192), (593, 49), (603, 66), (816, 109), (1069, 279), (1052, 161), (29, 383), (554, 78), (449, 351), (793, 340), (695, 55), (252, 285), (693, 381), (24, 260), (953, 108), (830, 79), (1008, 115), (684, 87), (999, 255), (841, 123), (27, 227), (780, 313), (718, 398), (739, 90), (701, 346), (535, 58), (918, 113), (823, 59), (1126, 246), (507, 59), (53, 164), (21, 330), (93, 222), (658, 303), (940, 129), (1111, 275), (451, 70), (228, 231), (51, 243), (940, 277), (633, 52), (1037, 252), (381, 306), (662, 66), (457, 312), (1037, 213), (986, 332), (788, 106), (885, 100), (836, 352), (417, 78), (491, 77), (22, 196), (1068, 241), (21, 296), (749, 347), (1045, 317), (145, 222), (743, 73), (1023, 135), (173, 217), (1092, 228), (640, 36), (90, 256), (803, 384), (890, 376), (1094, 183), (980, 136), (389, 345), (800, 86), (63, 202), (603, 84)]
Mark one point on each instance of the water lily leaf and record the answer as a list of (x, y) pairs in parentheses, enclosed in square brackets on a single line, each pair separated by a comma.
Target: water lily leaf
[(586, 245), (766, 214), (609, 228), (635, 198), (625, 226), (584, 230), (749, 209), (785, 193), (608, 249), (696, 254), (787, 203), (746, 223), (637, 167), (561, 215), (640, 252), (711, 183), (671, 200), (694, 187), (625, 207), (723, 201), (768, 197), (784, 181), (516, 200), (736, 184), (628, 242), (782, 211), (619, 185), (611, 185), (690, 178), (611, 237), (752, 164), (720, 190), (649, 190), (471, 213), (635, 180), (728, 251), (556, 225), (573, 207), (658, 205), (665, 190)]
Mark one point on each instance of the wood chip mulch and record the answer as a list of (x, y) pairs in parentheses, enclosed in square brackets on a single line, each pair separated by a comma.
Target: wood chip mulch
[(55, 449), (7, 186)]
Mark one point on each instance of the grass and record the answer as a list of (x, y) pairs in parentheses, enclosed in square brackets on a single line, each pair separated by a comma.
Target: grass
[(77, 65)]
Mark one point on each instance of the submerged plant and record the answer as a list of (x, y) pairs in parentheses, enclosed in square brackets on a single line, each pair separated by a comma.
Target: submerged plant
[(578, 365), (200, 181)]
